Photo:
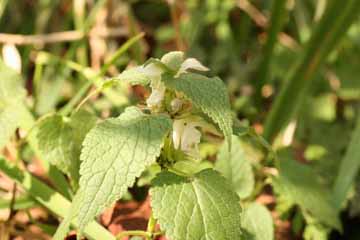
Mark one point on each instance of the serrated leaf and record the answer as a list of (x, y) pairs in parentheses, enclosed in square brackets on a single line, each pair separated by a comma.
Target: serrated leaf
[(257, 222), (60, 140), (134, 76), (236, 168), (114, 153), (208, 94), (299, 184), (82, 122), (201, 207)]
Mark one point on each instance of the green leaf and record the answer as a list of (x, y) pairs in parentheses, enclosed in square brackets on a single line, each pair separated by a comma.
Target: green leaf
[(11, 85), (300, 184), (199, 207), (50, 199), (12, 109), (82, 122), (257, 222), (20, 203), (133, 76), (349, 168), (10, 117), (71, 214), (315, 232), (208, 94), (236, 167), (60, 140), (114, 153)]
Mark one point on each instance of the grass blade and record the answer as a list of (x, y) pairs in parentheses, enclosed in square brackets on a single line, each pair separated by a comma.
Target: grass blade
[(336, 20), (349, 168), (278, 16)]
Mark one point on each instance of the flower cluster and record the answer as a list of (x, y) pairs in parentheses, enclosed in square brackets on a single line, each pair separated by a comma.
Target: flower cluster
[(186, 135)]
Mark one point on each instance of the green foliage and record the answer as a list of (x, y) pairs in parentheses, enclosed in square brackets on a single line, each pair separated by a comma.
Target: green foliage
[(114, 153), (257, 222), (60, 140), (324, 38), (133, 76), (236, 168), (199, 207), (208, 94), (300, 185), (12, 95), (278, 62), (50, 199), (11, 85), (349, 168)]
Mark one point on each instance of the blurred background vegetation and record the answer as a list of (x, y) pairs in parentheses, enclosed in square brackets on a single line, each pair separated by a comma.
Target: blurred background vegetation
[(292, 68)]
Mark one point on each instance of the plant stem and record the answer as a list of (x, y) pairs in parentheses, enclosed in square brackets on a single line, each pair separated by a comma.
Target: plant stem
[(120, 52), (94, 77), (278, 16), (74, 100), (50, 199), (349, 168), (144, 234), (336, 20), (151, 226)]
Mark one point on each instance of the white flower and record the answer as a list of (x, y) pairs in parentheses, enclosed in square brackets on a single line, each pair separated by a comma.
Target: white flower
[(173, 60), (158, 88), (186, 136), (11, 57), (191, 63)]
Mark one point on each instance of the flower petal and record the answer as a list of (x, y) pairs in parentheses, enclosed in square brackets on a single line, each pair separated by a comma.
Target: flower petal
[(192, 63), (152, 70), (11, 57), (178, 129), (155, 98), (173, 60)]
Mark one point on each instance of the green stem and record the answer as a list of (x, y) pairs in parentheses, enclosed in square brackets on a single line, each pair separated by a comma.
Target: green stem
[(120, 52), (349, 168), (95, 77), (144, 234), (47, 57), (74, 100), (37, 78), (50, 199), (278, 16), (151, 226), (336, 20)]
